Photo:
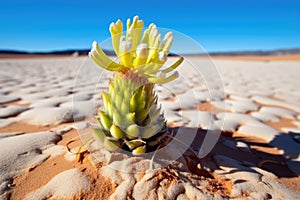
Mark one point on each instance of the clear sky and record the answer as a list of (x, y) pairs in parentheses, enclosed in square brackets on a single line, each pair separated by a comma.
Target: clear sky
[(42, 25)]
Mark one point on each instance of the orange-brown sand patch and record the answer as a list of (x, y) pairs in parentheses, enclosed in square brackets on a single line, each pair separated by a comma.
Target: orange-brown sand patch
[(283, 122), (25, 128), (71, 139), (32, 179), (258, 144), (272, 105), (216, 185), (100, 187), (35, 178), (291, 182), (208, 107)]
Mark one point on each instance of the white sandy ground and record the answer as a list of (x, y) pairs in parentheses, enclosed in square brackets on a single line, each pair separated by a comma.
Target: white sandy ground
[(255, 92)]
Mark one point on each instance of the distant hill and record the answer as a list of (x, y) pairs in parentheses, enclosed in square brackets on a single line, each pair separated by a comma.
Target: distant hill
[(112, 53), (62, 52)]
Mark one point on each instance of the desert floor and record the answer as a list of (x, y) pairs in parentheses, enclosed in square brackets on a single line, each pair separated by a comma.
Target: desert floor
[(237, 122)]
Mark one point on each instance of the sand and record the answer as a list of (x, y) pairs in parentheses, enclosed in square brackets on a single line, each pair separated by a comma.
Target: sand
[(256, 155)]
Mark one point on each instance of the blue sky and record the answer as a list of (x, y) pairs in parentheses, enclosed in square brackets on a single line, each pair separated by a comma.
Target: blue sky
[(42, 25)]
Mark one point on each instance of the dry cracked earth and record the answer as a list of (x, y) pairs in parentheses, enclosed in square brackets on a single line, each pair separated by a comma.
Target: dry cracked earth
[(240, 118)]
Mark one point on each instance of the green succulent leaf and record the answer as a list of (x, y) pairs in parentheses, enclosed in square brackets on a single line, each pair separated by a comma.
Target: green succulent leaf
[(134, 143), (98, 134), (154, 142), (133, 131), (105, 120), (173, 66), (150, 131), (139, 150), (116, 132), (111, 144)]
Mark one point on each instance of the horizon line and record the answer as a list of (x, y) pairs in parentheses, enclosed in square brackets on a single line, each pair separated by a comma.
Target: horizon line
[(111, 51)]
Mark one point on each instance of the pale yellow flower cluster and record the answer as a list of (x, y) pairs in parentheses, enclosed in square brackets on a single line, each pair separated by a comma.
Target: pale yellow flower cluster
[(141, 52)]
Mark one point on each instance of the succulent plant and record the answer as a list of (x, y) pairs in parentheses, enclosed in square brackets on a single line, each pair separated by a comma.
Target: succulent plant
[(131, 118)]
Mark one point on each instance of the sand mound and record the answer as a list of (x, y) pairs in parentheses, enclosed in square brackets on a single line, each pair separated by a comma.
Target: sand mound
[(65, 185)]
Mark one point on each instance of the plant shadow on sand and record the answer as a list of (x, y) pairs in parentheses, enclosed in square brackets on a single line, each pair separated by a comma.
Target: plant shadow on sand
[(261, 154)]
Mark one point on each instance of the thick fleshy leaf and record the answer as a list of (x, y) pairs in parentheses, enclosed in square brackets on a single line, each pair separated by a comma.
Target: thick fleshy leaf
[(133, 131), (154, 142), (161, 80), (125, 52), (116, 132), (145, 38), (111, 144), (134, 143), (173, 66), (133, 104), (135, 31), (105, 120), (101, 59), (142, 53), (166, 43), (150, 131), (107, 104), (116, 30), (139, 150), (98, 134), (117, 119)]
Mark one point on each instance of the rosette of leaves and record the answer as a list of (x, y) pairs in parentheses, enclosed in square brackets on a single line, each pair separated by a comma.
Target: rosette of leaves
[(131, 118)]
